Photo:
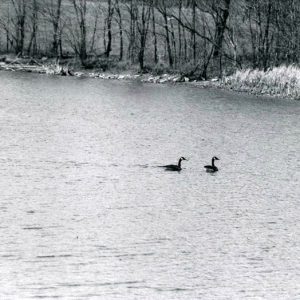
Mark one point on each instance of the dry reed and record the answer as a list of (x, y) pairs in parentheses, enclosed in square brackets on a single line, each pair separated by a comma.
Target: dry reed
[(279, 81)]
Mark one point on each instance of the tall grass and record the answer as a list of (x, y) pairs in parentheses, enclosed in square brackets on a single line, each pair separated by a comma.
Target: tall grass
[(279, 81)]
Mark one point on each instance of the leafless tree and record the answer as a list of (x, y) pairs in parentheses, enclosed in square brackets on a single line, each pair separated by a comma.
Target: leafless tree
[(109, 17), (143, 27), (32, 45), (53, 13), (17, 17), (120, 24), (79, 33)]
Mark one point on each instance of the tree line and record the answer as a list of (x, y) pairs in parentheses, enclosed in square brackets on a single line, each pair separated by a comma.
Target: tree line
[(198, 37)]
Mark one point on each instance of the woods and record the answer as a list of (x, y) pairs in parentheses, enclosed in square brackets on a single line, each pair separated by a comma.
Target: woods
[(200, 38)]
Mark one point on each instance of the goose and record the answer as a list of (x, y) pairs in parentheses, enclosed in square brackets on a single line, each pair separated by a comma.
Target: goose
[(174, 167), (212, 168)]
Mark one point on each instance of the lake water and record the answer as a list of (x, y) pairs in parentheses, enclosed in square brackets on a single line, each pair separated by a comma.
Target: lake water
[(87, 214)]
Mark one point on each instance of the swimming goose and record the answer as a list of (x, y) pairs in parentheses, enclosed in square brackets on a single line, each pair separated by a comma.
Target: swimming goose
[(174, 167), (212, 168)]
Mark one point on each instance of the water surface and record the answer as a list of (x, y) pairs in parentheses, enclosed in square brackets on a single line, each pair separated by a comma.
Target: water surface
[(87, 214)]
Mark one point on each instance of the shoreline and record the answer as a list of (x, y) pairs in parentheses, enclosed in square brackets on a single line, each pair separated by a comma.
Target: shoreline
[(62, 70), (33, 66)]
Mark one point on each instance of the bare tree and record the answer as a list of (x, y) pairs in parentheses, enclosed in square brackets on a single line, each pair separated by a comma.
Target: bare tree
[(205, 34), (5, 23), (32, 46), (143, 27), (179, 30), (18, 21), (53, 12), (162, 8), (109, 17), (95, 27), (120, 24), (132, 10), (194, 46), (79, 38), (154, 33)]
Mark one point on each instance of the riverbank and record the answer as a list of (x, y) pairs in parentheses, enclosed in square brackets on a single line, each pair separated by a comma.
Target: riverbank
[(56, 68), (283, 81), (52, 67)]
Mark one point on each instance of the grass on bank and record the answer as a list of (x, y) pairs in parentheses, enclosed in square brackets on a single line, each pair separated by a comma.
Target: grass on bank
[(281, 81)]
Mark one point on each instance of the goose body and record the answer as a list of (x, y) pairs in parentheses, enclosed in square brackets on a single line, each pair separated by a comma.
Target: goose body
[(212, 168), (174, 167)]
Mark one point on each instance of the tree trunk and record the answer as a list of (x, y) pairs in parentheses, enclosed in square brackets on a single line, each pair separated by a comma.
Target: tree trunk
[(120, 22), (222, 14), (179, 30), (55, 24), (20, 10), (143, 26), (163, 10), (132, 31), (154, 34), (94, 34), (266, 41), (80, 10), (32, 46), (173, 43), (110, 11), (194, 31)]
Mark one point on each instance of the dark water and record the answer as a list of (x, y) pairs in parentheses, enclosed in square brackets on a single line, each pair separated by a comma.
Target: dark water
[(86, 214)]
